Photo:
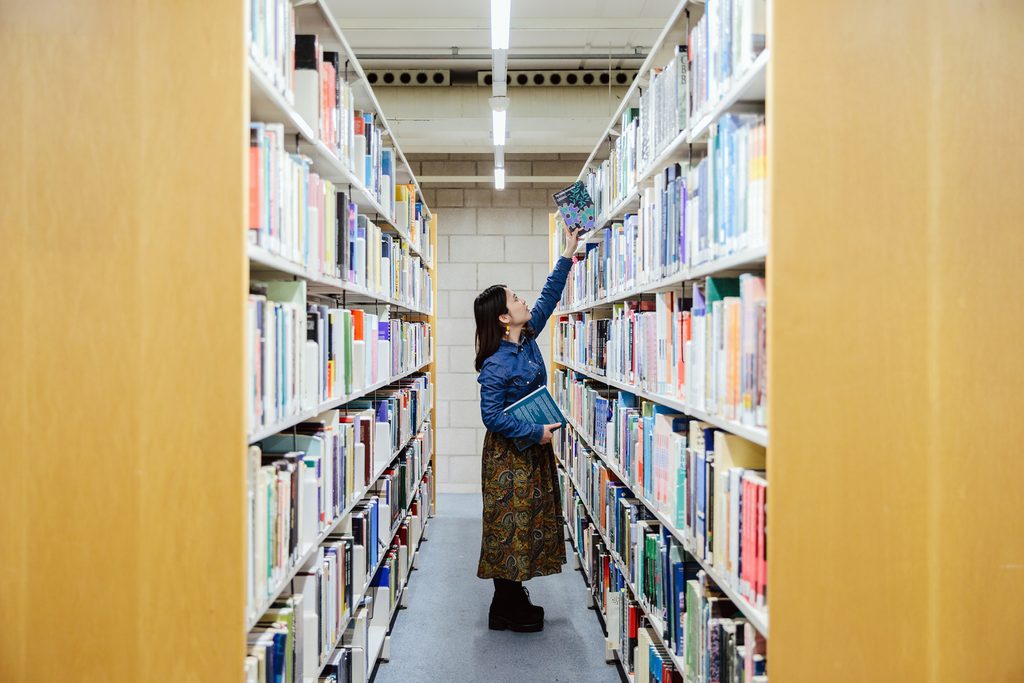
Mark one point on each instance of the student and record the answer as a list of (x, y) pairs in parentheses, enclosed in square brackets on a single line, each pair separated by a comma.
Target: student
[(522, 511)]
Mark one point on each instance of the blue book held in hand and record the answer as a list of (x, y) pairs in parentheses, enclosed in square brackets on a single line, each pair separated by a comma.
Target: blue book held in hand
[(576, 206), (537, 407)]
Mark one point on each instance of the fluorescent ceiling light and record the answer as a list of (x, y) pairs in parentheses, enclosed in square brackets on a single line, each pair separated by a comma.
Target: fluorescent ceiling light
[(499, 179), (501, 12), (498, 125)]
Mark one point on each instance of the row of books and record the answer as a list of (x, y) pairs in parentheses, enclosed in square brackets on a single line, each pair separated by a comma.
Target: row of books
[(316, 81), (722, 201), (616, 177), (664, 110), (308, 635), (687, 218), (708, 351), (272, 42), (397, 483), (660, 607), (301, 355), (631, 623), (296, 214), (380, 601), (724, 43), (644, 132), (323, 97), (709, 484), (300, 483)]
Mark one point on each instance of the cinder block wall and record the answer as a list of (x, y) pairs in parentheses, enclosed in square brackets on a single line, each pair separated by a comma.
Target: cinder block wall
[(485, 237)]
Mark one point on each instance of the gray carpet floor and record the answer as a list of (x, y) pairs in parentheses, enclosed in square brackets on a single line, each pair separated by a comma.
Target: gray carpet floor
[(443, 634)]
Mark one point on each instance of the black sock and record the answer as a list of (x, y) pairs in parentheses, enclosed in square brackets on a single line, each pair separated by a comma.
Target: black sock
[(506, 587)]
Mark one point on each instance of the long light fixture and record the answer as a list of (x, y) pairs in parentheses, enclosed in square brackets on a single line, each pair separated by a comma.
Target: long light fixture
[(501, 19), (498, 119), (501, 16)]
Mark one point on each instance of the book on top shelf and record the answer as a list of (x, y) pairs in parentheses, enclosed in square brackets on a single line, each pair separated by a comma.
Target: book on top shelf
[(576, 206)]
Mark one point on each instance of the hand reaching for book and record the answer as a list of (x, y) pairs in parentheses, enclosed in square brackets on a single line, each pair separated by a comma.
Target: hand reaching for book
[(572, 238), (548, 431)]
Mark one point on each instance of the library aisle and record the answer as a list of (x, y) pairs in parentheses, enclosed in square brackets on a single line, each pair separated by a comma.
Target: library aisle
[(295, 329), (443, 633)]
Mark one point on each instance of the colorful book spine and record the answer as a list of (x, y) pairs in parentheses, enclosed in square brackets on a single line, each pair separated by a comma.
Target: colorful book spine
[(271, 41)]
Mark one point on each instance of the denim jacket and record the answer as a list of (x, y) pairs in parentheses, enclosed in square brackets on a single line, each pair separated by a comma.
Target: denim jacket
[(514, 370)]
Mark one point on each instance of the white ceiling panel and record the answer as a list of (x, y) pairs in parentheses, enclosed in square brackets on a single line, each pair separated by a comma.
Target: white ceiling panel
[(568, 34)]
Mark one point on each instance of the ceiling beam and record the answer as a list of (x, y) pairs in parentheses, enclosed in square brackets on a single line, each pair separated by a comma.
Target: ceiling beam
[(567, 25), (521, 54), (446, 179)]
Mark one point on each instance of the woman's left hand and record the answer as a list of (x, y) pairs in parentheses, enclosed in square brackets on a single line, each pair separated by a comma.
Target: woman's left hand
[(572, 239)]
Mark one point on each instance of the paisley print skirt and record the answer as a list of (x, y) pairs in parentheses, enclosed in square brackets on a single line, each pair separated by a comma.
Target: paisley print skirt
[(522, 519)]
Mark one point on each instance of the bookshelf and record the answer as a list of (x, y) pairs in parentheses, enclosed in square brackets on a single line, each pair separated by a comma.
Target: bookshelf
[(364, 626), (660, 143), (860, 238)]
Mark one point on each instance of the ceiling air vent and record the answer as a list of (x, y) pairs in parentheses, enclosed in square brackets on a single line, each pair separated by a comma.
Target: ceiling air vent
[(422, 78), (563, 78)]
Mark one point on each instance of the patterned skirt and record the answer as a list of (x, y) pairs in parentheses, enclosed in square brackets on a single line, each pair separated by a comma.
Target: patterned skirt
[(522, 519)]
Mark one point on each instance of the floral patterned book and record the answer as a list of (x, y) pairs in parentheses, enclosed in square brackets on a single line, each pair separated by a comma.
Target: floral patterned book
[(576, 206)]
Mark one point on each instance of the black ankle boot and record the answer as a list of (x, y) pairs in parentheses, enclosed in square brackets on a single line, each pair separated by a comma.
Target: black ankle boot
[(510, 610), (536, 610)]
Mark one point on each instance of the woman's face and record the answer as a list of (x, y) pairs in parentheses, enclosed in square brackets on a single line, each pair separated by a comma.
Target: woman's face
[(518, 310)]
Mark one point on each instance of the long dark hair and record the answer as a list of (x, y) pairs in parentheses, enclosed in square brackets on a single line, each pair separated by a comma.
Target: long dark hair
[(489, 304)]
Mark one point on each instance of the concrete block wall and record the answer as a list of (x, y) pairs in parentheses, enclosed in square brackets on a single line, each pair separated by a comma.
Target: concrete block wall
[(485, 237)]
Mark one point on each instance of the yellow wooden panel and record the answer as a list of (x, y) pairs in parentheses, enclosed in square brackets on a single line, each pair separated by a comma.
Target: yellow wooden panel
[(122, 200), (896, 231), (976, 369)]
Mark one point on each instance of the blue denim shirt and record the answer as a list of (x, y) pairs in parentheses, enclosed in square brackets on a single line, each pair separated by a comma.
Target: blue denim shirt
[(514, 370)]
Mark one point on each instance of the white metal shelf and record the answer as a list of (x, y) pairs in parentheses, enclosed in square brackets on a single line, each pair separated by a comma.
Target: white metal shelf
[(746, 258), (310, 552), (291, 421), (370, 577), (266, 259), (750, 86), (268, 104), (758, 435), (758, 617)]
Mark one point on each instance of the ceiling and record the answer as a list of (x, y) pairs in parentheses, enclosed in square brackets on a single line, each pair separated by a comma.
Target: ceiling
[(455, 35)]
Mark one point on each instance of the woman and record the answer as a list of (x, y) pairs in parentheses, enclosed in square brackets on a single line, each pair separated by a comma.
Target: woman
[(522, 524)]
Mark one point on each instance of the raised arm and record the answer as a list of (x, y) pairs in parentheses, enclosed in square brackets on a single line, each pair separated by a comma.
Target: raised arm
[(550, 295), (492, 408)]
